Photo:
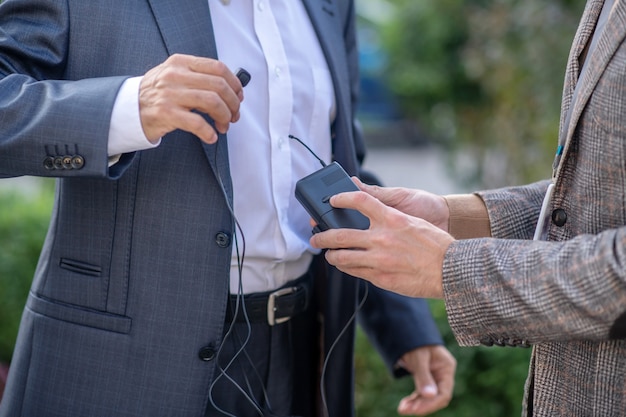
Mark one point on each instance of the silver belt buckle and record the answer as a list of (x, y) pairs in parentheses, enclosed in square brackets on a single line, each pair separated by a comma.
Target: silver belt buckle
[(271, 305)]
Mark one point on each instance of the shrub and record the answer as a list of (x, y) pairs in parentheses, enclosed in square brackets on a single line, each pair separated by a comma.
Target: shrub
[(24, 216), (489, 382)]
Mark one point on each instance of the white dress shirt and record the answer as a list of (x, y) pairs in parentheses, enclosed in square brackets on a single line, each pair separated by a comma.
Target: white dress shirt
[(290, 92)]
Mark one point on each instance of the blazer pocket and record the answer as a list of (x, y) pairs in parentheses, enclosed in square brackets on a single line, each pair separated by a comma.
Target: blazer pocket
[(80, 267), (78, 315), (74, 282)]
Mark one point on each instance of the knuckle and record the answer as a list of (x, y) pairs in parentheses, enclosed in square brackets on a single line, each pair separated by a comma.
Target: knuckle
[(210, 97), (382, 240), (215, 110), (220, 67), (222, 87), (175, 59), (340, 256), (197, 123), (197, 63), (164, 77), (341, 236), (360, 197)]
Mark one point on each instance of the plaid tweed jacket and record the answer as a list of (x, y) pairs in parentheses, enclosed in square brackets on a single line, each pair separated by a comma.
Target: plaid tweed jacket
[(566, 296)]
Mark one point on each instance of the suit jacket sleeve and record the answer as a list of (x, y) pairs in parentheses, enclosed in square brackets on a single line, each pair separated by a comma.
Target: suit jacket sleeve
[(41, 110), (396, 324), (509, 290)]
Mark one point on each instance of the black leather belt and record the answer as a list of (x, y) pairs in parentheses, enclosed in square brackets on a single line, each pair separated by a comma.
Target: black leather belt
[(273, 307)]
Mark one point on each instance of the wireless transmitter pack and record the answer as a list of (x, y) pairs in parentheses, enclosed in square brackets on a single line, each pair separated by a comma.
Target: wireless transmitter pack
[(314, 192)]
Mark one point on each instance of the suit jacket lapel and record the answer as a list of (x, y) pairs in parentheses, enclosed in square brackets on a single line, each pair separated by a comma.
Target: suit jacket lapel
[(325, 17), (582, 37), (597, 61), (186, 28)]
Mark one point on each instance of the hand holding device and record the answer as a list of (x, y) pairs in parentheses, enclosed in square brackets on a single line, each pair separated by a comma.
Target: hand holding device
[(314, 192), (178, 93)]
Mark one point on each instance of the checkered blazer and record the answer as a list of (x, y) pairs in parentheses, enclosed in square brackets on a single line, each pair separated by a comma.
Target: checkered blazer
[(566, 296)]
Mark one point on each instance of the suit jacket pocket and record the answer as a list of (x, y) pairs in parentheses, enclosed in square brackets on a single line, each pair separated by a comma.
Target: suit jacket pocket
[(75, 282), (78, 315), (80, 267)]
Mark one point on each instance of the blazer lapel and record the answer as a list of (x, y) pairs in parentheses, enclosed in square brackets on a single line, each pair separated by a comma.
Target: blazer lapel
[(186, 28), (325, 17), (597, 60), (581, 39)]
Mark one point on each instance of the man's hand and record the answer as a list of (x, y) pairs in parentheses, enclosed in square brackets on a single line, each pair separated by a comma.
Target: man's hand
[(433, 369), (170, 92), (417, 203), (399, 253)]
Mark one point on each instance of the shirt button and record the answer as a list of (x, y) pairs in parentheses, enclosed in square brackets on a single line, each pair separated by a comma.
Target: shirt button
[(260, 6), (277, 71), (207, 353), (222, 239), (559, 217)]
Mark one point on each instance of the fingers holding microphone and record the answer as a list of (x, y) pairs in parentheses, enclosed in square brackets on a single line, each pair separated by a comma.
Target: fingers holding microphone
[(172, 94)]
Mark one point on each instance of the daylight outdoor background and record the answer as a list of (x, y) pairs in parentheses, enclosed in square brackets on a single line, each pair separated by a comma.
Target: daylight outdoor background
[(456, 95)]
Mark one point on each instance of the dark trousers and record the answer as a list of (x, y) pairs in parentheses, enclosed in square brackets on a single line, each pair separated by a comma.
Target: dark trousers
[(267, 371)]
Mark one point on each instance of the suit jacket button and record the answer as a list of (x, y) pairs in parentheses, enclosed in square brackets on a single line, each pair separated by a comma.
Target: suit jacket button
[(207, 353), (67, 162), (486, 342), (511, 342), (222, 239), (500, 342), (559, 217), (58, 162), (48, 163), (77, 162)]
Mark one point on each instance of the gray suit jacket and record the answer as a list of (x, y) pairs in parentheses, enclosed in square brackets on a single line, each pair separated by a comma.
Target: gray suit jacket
[(133, 278), (567, 296)]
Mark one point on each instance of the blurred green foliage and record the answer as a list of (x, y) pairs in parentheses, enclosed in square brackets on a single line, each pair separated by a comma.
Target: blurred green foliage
[(485, 78), (24, 217), (489, 381)]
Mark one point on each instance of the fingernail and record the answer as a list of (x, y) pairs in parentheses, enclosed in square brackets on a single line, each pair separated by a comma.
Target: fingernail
[(430, 390)]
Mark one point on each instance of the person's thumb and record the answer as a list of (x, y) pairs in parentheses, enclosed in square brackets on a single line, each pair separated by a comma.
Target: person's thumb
[(425, 384)]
